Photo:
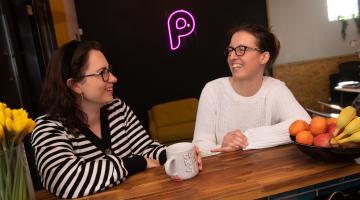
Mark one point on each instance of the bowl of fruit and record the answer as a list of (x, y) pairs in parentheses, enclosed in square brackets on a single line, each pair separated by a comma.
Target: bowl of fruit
[(329, 139)]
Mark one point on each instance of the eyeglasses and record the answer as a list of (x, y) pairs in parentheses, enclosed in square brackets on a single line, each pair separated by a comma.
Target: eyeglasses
[(240, 50), (105, 73)]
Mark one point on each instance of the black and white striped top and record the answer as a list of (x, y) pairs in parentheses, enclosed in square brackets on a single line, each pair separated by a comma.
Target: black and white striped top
[(74, 166)]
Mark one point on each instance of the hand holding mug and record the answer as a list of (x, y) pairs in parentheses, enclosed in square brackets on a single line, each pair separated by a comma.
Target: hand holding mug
[(183, 161), (199, 158), (151, 163)]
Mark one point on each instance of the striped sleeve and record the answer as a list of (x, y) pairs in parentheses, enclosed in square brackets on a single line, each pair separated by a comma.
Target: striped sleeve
[(67, 175), (140, 141)]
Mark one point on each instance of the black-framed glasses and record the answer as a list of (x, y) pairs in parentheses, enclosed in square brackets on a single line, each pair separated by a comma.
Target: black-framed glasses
[(105, 73), (240, 50)]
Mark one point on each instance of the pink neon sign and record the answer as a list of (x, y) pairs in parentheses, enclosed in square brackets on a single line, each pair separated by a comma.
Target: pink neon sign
[(180, 24)]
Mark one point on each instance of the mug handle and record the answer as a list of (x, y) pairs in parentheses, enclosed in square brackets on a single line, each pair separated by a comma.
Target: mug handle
[(168, 169)]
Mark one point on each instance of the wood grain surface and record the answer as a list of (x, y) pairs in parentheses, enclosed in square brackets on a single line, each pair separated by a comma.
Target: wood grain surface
[(237, 175)]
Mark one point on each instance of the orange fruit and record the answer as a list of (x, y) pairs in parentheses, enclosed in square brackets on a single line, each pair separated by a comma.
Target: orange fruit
[(331, 120), (304, 137), (318, 125), (297, 126)]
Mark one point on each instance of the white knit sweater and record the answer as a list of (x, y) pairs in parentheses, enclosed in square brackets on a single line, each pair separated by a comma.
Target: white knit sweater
[(264, 118)]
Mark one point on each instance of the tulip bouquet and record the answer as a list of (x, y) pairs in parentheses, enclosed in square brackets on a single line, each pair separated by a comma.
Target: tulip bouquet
[(14, 172)]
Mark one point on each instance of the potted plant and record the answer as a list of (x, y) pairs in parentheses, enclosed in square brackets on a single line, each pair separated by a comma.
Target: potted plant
[(345, 23)]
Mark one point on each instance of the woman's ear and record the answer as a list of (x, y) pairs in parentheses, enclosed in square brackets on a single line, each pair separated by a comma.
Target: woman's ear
[(264, 58), (73, 86)]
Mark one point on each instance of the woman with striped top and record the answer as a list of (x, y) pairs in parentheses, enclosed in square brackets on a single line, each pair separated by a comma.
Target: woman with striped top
[(87, 141)]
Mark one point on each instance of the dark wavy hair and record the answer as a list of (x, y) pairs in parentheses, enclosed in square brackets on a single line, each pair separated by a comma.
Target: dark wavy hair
[(266, 41), (57, 99)]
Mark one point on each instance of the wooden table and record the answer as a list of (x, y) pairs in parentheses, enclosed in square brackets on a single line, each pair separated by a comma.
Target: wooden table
[(236, 175)]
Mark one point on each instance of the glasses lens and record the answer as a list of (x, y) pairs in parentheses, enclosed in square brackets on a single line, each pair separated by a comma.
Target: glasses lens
[(240, 50), (105, 74), (228, 50)]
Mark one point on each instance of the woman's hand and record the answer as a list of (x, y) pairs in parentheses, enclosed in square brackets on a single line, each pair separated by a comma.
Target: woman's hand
[(232, 141), (151, 163), (199, 159)]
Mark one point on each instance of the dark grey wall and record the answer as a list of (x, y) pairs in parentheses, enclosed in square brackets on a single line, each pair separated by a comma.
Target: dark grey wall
[(134, 35)]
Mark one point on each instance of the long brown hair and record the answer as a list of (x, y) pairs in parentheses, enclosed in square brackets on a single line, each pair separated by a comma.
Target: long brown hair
[(57, 99)]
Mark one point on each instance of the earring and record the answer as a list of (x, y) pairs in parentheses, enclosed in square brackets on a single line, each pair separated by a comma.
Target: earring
[(82, 97)]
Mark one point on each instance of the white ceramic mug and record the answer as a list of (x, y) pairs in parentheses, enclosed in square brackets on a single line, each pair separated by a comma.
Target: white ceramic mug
[(181, 160)]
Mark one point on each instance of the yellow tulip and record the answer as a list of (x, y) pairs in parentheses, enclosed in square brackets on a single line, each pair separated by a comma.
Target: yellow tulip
[(9, 124), (19, 125), (19, 113), (1, 133), (2, 106), (14, 124), (30, 126), (7, 112), (2, 118), (15, 113), (23, 112)]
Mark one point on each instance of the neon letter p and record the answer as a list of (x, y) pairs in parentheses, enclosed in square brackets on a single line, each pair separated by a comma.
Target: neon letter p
[(180, 24)]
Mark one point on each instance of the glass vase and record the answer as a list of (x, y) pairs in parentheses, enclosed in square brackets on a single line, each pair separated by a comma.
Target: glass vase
[(15, 177)]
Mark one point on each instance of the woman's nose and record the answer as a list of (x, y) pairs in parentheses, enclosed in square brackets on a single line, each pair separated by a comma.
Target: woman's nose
[(113, 78)]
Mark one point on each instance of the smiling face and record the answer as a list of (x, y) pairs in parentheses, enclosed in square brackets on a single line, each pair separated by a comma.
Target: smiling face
[(95, 91), (250, 65)]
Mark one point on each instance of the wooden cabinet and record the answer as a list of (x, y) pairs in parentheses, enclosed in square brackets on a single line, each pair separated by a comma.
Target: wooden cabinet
[(342, 188)]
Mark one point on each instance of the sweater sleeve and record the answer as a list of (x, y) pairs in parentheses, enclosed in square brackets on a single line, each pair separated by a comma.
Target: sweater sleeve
[(140, 141), (205, 134), (284, 110), (67, 175)]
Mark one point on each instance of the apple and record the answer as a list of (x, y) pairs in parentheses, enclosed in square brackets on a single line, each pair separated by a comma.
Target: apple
[(323, 140), (331, 128)]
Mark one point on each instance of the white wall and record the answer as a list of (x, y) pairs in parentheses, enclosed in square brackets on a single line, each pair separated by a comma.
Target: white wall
[(305, 32)]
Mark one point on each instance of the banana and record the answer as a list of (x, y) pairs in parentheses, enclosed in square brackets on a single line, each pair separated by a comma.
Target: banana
[(346, 115), (352, 127), (355, 137)]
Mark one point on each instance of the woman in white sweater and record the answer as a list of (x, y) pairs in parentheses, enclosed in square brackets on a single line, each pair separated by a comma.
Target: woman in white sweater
[(247, 110)]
